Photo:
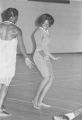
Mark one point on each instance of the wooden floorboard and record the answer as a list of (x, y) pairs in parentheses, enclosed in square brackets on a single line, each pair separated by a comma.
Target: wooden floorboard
[(64, 95)]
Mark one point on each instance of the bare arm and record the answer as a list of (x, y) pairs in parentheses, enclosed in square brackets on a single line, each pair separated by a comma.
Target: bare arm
[(23, 50), (48, 54), (21, 43)]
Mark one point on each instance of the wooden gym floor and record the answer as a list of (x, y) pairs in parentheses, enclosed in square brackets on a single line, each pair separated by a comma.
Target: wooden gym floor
[(65, 94)]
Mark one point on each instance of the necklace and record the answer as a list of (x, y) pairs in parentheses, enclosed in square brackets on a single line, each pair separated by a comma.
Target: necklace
[(46, 31), (9, 22)]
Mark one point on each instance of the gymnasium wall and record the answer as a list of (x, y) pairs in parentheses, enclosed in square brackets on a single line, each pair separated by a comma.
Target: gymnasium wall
[(66, 33)]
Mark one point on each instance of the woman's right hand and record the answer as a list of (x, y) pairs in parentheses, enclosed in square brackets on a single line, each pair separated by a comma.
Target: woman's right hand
[(42, 53)]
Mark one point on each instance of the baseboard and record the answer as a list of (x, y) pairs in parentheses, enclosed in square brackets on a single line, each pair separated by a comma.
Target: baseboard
[(19, 54)]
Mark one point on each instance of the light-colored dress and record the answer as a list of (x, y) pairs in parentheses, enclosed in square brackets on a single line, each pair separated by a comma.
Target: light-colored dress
[(8, 50), (42, 40)]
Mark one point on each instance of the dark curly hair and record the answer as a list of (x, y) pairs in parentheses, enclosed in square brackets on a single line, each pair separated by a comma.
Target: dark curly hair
[(8, 13), (42, 18)]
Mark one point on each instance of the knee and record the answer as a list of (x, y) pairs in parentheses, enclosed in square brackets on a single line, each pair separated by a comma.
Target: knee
[(50, 78)]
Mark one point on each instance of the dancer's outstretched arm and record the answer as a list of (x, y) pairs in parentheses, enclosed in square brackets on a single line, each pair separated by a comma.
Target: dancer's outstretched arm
[(48, 54), (23, 50)]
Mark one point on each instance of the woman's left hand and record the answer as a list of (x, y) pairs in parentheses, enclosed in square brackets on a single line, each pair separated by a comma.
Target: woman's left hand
[(29, 63)]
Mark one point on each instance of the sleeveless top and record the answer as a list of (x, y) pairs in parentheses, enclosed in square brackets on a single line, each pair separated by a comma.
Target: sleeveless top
[(8, 51)]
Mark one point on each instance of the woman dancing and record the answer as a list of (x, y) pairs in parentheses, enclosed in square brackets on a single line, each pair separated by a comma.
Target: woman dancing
[(10, 37), (42, 58)]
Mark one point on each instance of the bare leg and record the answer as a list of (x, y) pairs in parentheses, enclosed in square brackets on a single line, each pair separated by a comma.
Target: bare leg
[(44, 66), (43, 93), (3, 93), (45, 85), (44, 82)]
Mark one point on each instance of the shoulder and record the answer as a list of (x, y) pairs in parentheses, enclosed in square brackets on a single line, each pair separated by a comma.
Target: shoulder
[(19, 30), (9, 27), (38, 31), (2, 27), (16, 28)]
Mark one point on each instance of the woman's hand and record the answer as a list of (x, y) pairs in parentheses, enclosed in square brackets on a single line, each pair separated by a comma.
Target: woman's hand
[(42, 53), (57, 58), (52, 57), (29, 63)]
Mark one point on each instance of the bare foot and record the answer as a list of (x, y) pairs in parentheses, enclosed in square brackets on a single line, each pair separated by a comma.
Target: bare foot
[(4, 114), (35, 105), (44, 105)]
